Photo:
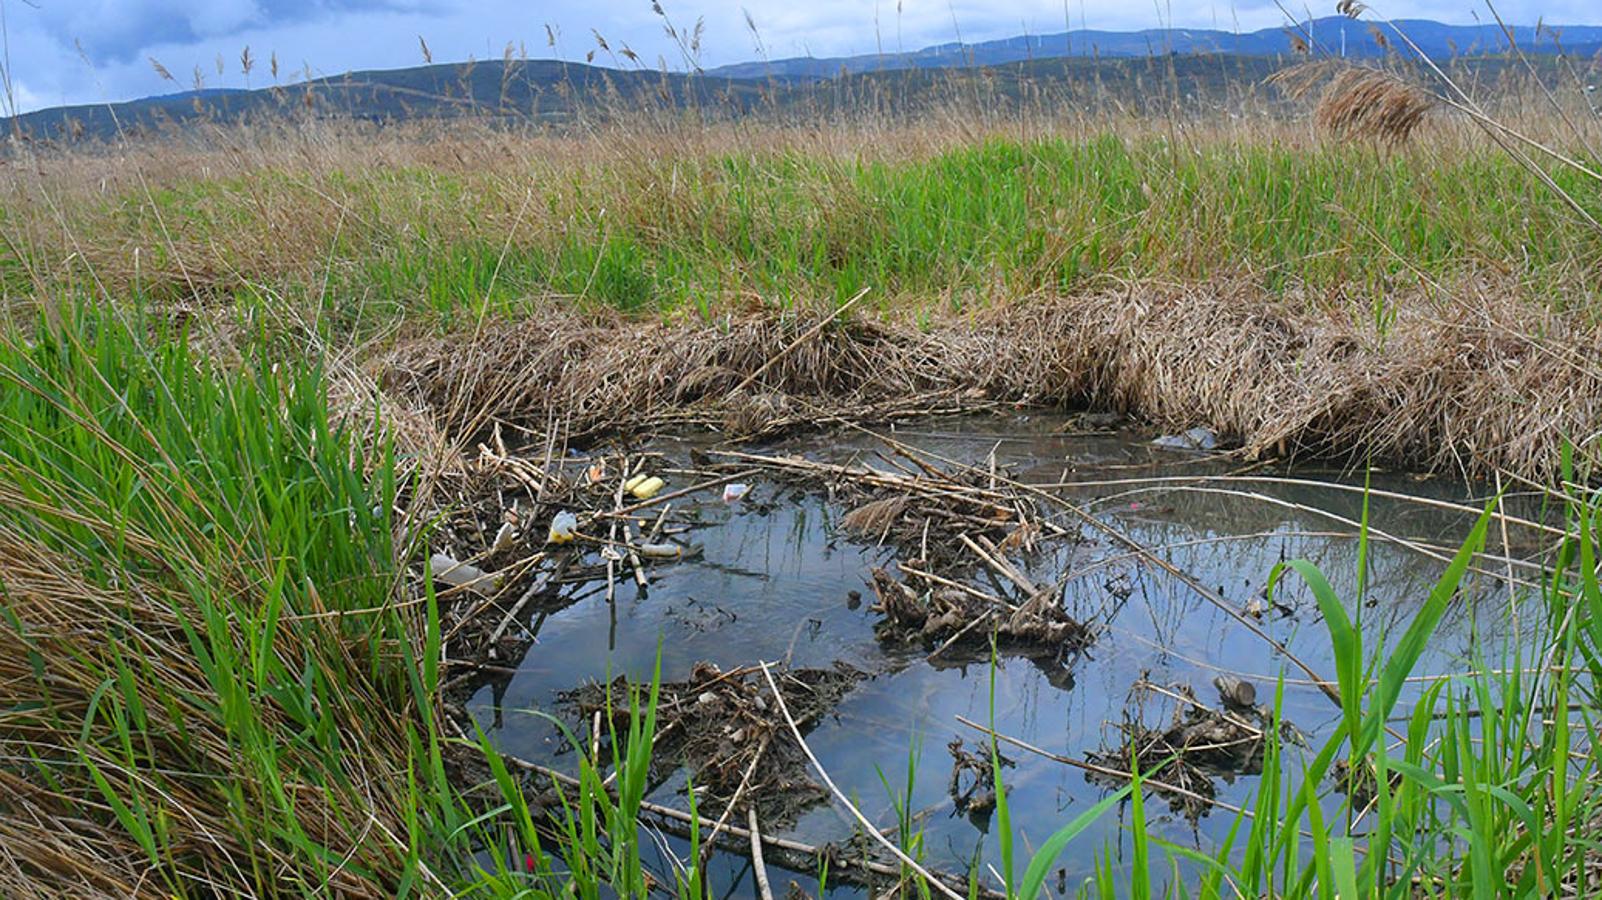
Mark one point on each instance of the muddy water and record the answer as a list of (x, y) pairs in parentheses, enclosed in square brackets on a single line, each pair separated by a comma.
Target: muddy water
[(776, 577)]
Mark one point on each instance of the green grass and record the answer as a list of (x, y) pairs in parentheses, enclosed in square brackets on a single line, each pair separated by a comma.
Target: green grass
[(231, 548), (200, 617), (648, 227), (206, 571), (232, 509)]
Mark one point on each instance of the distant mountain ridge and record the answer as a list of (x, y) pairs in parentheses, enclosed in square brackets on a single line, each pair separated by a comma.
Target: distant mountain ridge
[(554, 90), (529, 89), (1331, 35)]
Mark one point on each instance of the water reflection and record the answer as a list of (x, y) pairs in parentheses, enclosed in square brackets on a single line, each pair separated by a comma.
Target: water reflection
[(777, 579)]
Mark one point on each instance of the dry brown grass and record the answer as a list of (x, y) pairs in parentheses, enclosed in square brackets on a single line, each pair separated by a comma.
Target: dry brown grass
[(281, 208), (1472, 386), (875, 516), (1359, 102), (64, 633), (1373, 105)]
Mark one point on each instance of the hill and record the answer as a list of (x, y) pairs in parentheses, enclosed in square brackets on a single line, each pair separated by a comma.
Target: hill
[(525, 89), (1331, 35), (1104, 67)]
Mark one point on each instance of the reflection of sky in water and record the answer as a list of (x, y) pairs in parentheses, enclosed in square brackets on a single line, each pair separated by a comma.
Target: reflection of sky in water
[(775, 573)]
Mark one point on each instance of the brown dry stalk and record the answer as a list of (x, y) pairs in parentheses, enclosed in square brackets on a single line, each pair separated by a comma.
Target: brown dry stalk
[(1359, 102), (1374, 105), (1485, 385), (875, 516)]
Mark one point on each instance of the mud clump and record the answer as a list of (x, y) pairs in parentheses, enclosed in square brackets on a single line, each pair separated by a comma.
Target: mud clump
[(726, 731)]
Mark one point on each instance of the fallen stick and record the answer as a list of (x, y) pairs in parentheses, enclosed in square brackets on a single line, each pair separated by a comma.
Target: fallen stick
[(634, 556), (1000, 567), (897, 852), (957, 585), (1438, 554), (796, 463), (1177, 697), (757, 865), (805, 336), (511, 614), (739, 792), (1104, 771), (1013, 572), (612, 557), (740, 831), (655, 534), (972, 623), (1464, 508)]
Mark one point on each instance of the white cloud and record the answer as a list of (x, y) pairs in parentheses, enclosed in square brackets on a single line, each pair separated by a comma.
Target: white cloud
[(23, 99)]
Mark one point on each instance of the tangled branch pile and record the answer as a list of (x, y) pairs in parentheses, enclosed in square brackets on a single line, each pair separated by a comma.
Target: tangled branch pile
[(945, 616), (1198, 744), (726, 731)]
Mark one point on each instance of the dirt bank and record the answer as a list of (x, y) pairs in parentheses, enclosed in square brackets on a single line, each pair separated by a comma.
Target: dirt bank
[(1471, 386)]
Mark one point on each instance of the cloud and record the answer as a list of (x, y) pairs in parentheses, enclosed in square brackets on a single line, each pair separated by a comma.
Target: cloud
[(112, 31), (23, 98)]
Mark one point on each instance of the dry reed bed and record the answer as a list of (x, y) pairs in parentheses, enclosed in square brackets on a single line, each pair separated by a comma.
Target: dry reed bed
[(1469, 386), (206, 213)]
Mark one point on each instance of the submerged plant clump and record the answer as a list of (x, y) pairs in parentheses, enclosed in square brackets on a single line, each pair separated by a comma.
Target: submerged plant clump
[(944, 617), (726, 731), (1198, 744)]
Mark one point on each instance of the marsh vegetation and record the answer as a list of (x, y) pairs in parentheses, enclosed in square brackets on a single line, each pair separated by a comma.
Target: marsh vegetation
[(288, 412)]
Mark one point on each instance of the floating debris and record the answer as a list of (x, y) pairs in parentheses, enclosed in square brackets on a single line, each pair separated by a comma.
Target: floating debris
[(1198, 745), (564, 528), (1197, 439), (1260, 604), (973, 781), (727, 732), (874, 517), (462, 575), (1238, 694), (504, 538), (929, 515), (644, 487), (949, 616)]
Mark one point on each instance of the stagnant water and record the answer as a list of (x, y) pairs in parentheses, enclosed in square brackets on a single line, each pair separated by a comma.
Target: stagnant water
[(775, 577)]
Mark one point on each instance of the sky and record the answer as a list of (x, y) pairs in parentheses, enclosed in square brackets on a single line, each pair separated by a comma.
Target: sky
[(90, 51)]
